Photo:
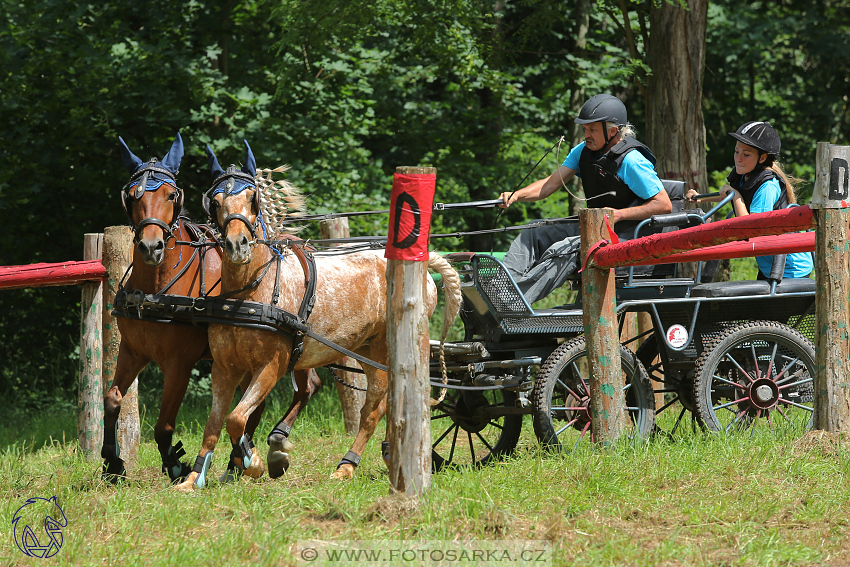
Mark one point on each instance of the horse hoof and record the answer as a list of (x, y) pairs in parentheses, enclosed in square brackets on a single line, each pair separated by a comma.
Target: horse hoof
[(113, 471), (230, 475), (178, 472), (187, 485), (344, 472), (257, 467), (278, 457), (278, 463)]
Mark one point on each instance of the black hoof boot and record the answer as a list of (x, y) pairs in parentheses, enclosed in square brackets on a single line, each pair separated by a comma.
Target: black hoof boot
[(113, 469), (176, 469)]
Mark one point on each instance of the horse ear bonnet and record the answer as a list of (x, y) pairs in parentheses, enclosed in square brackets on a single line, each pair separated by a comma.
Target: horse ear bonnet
[(131, 161), (250, 168), (215, 171), (170, 164), (172, 159)]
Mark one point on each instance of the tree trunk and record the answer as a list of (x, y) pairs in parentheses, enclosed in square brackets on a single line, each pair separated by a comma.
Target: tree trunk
[(674, 123), (577, 98)]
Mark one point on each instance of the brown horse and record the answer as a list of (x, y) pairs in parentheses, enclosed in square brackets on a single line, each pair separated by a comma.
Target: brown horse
[(348, 309), (172, 260)]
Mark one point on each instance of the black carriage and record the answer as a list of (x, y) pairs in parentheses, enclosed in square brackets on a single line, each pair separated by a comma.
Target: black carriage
[(733, 354)]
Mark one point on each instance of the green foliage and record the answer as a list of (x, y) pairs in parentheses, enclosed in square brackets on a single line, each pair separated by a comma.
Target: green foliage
[(777, 61)]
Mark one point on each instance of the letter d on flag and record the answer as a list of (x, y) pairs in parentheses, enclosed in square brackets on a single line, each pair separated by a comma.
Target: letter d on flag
[(411, 204)]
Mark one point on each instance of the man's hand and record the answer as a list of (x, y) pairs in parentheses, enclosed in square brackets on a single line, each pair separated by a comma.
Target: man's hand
[(507, 199)]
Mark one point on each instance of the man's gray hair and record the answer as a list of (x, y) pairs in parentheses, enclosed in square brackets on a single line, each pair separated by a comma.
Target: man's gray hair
[(625, 130)]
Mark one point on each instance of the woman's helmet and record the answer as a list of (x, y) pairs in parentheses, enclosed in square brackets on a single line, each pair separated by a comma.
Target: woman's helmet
[(603, 108), (760, 135)]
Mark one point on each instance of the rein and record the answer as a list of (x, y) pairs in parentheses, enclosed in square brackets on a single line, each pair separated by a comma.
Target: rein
[(161, 307)]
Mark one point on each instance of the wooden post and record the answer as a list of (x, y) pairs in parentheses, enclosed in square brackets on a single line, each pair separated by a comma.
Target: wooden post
[(832, 353), (351, 400), (607, 400), (117, 256), (90, 402), (408, 410)]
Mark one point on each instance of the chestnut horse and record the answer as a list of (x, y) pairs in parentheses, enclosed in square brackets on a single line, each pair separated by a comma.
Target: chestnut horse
[(349, 307), (171, 255)]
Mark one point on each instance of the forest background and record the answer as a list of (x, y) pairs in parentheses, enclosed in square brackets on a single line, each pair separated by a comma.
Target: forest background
[(344, 91)]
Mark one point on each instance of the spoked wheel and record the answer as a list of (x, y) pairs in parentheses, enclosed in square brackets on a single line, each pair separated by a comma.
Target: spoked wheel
[(761, 371), (561, 397), (470, 427)]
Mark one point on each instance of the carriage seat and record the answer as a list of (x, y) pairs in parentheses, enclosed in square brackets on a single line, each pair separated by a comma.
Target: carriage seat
[(752, 287)]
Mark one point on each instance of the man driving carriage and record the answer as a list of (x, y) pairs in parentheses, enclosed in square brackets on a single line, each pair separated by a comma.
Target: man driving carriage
[(613, 175)]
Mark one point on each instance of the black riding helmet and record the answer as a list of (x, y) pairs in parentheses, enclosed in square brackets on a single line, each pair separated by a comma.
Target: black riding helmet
[(603, 108), (759, 135)]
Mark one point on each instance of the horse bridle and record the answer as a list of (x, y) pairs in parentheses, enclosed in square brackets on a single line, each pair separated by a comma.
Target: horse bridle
[(228, 183), (140, 180)]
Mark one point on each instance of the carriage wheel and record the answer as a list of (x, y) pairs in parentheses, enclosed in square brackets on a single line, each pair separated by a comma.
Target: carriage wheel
[(561, 397), (760, 370), (465, 434)]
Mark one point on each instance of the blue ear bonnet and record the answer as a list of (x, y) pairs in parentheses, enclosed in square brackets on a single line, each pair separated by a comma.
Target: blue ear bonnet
[(153, 172), (151, 175), (231, 182)]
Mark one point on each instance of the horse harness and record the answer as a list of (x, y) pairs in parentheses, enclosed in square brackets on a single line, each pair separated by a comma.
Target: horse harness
[(225, 310)]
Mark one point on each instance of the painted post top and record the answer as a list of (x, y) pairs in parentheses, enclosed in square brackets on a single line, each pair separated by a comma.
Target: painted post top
[(832, 177)]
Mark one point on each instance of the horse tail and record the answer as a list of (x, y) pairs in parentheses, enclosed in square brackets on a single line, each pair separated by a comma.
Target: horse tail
[(451, 289)]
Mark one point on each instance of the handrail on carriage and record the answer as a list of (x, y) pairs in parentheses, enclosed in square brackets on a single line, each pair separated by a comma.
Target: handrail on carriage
[(682, 219)]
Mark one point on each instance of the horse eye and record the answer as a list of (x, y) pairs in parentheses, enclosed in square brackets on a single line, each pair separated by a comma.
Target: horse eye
[(173, 196)]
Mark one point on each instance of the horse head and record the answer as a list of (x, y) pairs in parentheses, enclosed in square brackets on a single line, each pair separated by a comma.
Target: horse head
[(152, 199), (235, 196)]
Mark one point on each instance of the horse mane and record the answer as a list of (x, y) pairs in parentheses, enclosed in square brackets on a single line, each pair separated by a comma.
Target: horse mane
[(280, 202)]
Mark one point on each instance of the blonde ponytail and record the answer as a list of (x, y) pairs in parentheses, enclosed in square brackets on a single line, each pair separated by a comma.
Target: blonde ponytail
[(791, 183)]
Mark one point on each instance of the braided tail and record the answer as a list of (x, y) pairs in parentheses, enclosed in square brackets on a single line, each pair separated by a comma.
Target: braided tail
[(451, 289)]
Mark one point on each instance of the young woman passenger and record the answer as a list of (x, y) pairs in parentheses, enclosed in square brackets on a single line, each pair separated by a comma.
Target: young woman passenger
[(761, 185)]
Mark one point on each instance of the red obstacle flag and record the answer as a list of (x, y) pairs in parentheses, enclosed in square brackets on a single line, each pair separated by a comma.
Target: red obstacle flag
[(411, 204)]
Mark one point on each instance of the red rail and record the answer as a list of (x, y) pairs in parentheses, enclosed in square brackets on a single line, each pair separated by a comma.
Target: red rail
[(41, 275), (660, 248)]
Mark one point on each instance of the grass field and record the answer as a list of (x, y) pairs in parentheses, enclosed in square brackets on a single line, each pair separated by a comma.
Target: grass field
[(772, 498)]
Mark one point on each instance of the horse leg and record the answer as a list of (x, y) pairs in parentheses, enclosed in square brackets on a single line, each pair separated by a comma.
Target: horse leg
[(306, 383), (246, 458), (127, 367), (176, 371), (373, 410), (233, 472), (223, 387)]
